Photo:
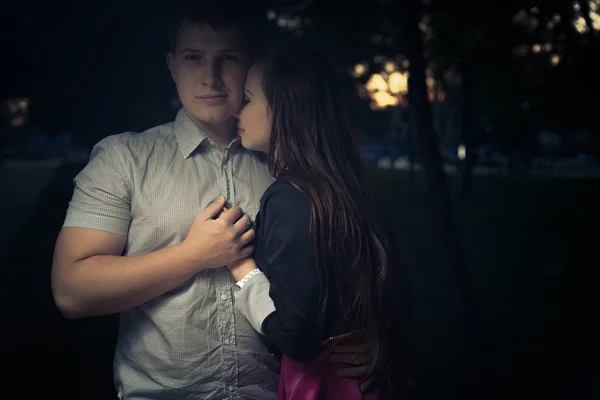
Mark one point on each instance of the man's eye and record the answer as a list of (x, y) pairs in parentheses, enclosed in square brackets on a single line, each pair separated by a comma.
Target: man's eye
[(231, 57), (246, 100), (192, 57)]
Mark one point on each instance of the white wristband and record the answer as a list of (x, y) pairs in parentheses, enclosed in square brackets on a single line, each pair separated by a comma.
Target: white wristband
[(247, 277)]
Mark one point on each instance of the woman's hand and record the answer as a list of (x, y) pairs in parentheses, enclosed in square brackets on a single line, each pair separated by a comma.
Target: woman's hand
[(356, 360)]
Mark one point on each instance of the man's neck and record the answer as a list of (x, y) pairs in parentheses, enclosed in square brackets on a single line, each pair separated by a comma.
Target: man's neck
[(221, 133)]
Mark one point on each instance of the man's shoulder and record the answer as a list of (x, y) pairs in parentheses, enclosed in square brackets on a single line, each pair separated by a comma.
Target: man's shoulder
[(136, 142)]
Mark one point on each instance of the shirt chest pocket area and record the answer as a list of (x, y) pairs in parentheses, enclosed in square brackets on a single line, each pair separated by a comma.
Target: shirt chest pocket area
[(165, 215)]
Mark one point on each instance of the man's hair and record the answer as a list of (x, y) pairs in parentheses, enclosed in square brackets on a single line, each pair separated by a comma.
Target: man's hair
[(246, 18)]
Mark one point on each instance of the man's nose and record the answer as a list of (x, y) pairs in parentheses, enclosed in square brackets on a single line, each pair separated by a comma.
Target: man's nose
[(212, 74)]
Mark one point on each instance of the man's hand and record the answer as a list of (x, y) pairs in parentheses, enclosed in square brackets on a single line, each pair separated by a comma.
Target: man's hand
[(356, 357), (218, 237)]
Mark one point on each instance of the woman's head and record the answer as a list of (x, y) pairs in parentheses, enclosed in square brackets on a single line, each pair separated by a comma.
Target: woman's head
[(295, 112), (254, 126)]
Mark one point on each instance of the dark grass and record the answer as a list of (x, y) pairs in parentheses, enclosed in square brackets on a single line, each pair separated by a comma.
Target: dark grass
[(531, 249)]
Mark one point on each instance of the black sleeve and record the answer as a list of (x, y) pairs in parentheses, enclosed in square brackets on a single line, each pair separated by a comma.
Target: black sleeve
[(285, 255)]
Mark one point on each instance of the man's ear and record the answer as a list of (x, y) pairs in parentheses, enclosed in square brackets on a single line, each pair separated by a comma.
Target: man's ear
[(171, 64)]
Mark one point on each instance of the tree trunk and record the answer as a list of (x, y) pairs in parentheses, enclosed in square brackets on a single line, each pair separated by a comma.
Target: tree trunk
[(466, 71), (410, 139), (409, 16)]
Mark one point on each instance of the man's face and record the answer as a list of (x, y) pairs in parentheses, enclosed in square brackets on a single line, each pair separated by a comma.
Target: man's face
[(209, 68)]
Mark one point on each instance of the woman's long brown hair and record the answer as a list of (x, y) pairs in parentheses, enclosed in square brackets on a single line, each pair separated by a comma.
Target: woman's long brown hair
[(312, 138)]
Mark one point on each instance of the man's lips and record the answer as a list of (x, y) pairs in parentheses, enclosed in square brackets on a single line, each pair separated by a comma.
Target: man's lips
[(212, 96)]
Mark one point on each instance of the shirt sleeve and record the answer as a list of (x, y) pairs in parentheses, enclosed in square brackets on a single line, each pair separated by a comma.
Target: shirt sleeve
[(253, 301), (102, 194), (287, 260)]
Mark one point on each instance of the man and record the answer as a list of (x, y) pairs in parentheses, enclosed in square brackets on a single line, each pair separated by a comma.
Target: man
[(133, 241)]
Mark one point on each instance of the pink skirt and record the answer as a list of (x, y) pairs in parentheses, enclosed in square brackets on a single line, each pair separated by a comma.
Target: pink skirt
[(317, 379)]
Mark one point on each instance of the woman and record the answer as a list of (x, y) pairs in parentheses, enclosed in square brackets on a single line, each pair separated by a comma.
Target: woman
[(320, 234)]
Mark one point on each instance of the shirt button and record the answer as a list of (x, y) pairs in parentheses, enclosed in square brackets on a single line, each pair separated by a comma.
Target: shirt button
[(224, 296), (230, 388), (226, 341)]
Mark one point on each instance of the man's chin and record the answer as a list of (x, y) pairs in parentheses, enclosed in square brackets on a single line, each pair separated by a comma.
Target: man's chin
[(213, 116)]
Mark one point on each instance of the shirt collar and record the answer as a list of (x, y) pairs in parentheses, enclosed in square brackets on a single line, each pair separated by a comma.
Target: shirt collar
[(190, 136)]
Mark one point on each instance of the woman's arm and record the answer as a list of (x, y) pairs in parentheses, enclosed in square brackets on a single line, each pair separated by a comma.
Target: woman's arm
[(252, 299), (284, 254), (254, 302)]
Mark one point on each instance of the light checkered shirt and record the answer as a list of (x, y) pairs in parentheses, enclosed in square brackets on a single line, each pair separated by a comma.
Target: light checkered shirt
[(190, 343)]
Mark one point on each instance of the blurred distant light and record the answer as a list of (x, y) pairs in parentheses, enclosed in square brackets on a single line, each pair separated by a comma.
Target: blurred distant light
[(576, 6), (405, 63), (461, 152), (271, 15), (18, 105), (384, 99), (376, 83), (528, 19), (520, 17), (424, 24), (537, 48), (398, 82), (18, 109), (533, 24), (430, 95), (384, 163), (550, 25), (556, 18), (295, 22), (580, 25), (376, 39), (451, 77), (378, 59), (389, 66), (555, 59), (441, 96), (282, 22), (547, 47), (430, 82), (595, 17), (359, 70)]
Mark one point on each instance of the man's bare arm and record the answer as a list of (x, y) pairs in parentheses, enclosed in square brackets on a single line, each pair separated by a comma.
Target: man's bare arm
[(91, 278)]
